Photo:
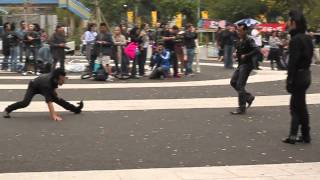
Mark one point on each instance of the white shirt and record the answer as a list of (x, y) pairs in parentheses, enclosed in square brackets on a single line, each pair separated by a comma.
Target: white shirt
[(256, 36), (90, 36)]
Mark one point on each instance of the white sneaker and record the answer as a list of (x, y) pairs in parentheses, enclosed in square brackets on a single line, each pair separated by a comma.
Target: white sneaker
[(38, 74), (24, 73), (110, 79)]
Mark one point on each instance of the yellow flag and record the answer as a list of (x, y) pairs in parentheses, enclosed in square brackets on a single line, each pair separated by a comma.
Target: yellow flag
[(154, 15), (205, 14), (139, 21), (179, 20), (130, 16)]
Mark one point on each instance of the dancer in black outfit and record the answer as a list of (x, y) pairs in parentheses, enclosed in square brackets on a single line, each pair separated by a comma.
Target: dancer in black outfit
[(46, 85), (299, 77), (246, 49)]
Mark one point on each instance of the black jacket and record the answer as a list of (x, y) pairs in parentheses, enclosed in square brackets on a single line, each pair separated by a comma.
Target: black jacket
[(169, 44), (300, 58), (54, 41), (104, 49), (248, 48), (36, 42), (228, 38), (46, 86), (189, 39)]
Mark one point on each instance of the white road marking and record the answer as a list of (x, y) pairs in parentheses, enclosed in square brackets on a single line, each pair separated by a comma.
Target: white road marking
[(165, 104), (301, 171), (261, 76)]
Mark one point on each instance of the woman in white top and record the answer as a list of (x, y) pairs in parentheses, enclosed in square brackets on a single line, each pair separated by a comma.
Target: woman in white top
[(143, 48), (89, 38), (274, 54), (119, 42)]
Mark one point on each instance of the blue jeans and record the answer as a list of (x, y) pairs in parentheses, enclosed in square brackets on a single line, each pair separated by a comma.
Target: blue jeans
[(14, 57), (228, 59), (190, 58)]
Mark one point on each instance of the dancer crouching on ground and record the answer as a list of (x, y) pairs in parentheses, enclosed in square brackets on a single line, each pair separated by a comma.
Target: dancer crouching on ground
[(46, 85)]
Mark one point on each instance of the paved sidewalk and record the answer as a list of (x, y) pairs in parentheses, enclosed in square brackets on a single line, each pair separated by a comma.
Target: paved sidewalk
[(303, 171)]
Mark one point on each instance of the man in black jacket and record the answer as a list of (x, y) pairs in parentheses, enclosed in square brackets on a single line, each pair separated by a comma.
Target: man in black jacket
[(46, 85), (57, 44), (190, 42), (245, 50), (32, 47), (5, 46), (299, 77), (170, 40)]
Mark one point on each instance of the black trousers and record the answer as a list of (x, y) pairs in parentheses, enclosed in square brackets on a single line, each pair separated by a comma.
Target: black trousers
[(239, 82), (31, 92), (299, 113), (174, 62), (61, 60), (256, 59), (142, 61), (34, 52), (274, 55), (158, 72)]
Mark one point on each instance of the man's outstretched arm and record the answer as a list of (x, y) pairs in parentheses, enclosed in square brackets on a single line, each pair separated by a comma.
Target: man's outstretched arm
[(54, 116)]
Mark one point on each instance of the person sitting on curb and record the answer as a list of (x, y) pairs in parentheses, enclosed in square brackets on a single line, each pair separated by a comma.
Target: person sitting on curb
[(46, 85)]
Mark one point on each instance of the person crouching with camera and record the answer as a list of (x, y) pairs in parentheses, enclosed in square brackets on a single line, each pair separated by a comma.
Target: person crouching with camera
[(162, 63)]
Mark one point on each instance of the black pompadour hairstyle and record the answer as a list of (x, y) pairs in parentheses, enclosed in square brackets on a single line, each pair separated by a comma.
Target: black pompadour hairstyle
[(299, 19)]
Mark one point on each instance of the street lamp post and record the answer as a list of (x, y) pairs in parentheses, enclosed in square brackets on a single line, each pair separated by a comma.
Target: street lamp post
[(199, 10), (136, 11)]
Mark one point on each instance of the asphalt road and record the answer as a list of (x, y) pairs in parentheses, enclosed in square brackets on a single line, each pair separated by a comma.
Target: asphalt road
[(157, 138)]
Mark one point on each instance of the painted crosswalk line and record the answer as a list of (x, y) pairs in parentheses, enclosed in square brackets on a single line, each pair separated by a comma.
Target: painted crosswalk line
[(301, 171), (261, 76), (165, 104)]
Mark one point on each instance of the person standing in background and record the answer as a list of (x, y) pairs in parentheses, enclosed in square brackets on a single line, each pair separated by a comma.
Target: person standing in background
[(57, 44), (189, 40), (274, 54), (5, 46), (229, 37), (143, 48), (31, 39), (13, 39), (257, 37), (21, 33), (89, 37), (120, 42)]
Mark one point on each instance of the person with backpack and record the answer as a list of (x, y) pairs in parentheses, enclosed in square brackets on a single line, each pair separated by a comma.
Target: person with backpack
[(102, 51), (46, 85)]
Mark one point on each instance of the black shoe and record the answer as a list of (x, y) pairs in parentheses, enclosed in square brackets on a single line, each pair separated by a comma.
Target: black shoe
[(290, 140), (250, 101), (301, 139), (238, 112), (6, 114), (79, 108), (134, 77)]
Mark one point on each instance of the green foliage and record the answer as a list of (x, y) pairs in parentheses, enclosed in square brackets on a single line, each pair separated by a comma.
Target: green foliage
[(233, 10), (114, 11)]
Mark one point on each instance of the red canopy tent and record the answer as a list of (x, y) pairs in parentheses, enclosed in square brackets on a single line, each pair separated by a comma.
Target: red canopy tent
[(269, 27)]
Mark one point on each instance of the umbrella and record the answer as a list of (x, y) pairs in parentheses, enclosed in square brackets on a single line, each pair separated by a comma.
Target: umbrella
[(248, 22)]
